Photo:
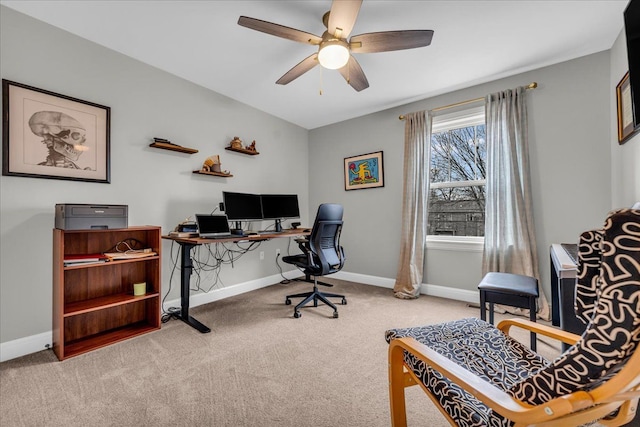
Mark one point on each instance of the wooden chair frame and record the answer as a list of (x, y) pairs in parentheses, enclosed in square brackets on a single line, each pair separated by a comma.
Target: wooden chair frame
[(621, 391)]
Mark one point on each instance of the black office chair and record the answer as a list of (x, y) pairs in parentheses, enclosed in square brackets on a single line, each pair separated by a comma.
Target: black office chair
[(322, 254)]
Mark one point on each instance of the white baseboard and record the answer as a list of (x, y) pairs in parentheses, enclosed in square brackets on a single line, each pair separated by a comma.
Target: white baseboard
[(27, 345), (34, 343), (230, 291), (451, 293), (382, 282), (425, 289)]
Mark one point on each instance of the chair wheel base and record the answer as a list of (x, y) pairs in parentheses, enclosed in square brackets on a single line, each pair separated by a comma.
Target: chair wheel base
[(315, 298)]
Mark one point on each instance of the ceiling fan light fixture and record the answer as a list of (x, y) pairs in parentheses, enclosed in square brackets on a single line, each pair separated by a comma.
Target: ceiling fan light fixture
[(333, 54)]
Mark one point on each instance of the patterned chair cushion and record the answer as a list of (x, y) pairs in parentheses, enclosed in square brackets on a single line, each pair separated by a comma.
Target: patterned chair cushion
[(612, 335), (480, 348), (589, 261)]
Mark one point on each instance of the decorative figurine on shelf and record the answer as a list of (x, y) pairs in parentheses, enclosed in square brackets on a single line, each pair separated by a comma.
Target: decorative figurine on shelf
[(236, 143), (252, 147), (212, 164)]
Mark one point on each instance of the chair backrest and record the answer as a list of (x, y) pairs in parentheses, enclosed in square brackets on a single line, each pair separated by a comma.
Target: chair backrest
[(589, 263), (613, 331), (324, 240)]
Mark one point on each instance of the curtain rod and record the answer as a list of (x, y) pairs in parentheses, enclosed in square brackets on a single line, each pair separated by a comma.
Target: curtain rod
[(457, 104)]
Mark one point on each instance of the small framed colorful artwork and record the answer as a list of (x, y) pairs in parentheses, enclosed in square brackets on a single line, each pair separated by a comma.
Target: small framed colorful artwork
[(364, 171)]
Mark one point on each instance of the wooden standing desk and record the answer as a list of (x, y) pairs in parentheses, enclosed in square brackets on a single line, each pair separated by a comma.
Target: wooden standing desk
[(186, 263)]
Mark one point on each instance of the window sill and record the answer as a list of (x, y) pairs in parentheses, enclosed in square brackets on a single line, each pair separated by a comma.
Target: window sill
[(455, 243)]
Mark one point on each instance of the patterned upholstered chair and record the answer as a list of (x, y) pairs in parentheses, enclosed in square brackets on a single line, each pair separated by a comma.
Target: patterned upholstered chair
[(478, 375)]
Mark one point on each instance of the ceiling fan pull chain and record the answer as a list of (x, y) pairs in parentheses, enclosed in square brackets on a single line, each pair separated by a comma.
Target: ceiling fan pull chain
[(321, 81)]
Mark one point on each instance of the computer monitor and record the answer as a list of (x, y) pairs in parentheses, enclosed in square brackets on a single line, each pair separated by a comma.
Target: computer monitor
[(278, 207), (241, 207)]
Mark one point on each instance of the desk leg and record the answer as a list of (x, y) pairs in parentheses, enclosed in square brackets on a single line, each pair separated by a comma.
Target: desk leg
[(185, 280)]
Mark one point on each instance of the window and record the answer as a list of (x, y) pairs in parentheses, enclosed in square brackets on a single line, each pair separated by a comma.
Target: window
[(458, 174)]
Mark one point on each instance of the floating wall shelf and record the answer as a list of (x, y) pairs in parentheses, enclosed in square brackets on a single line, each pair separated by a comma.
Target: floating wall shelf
[(220, 174), (173, 147), (243, 151)]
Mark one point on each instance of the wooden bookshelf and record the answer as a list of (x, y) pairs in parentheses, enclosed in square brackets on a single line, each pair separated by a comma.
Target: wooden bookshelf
[(94, 305)]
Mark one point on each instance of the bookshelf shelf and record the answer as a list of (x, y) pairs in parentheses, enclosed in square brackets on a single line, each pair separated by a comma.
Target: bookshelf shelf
[(109, 263), (103, 339), (86, 306)]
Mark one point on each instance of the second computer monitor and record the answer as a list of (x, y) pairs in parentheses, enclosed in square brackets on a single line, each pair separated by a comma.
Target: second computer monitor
[(278, 207)]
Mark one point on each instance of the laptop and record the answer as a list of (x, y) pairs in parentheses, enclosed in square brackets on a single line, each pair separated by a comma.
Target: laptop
[(213, 226)]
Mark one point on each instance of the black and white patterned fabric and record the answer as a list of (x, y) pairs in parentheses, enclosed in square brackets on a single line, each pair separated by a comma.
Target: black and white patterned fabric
[(483, 350), (613, 332), (589, 261), (609, 300)]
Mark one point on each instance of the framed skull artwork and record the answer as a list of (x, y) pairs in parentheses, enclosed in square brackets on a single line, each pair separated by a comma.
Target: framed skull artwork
[(48, 135)]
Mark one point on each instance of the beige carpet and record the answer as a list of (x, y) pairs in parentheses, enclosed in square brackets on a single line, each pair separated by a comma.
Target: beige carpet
[(258, 367)]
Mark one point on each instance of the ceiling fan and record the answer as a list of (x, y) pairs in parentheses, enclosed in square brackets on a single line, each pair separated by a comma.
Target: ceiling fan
[(335, 47)]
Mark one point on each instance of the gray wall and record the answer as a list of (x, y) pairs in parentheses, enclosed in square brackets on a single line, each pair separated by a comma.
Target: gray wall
[(158, 185), (579, 170), (569, 117), (625, 159)]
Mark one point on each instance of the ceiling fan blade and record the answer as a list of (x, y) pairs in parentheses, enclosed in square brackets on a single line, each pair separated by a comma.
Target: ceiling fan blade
[(386, 41), (279, 30), (343, 16), (303, 66), (353, 74)]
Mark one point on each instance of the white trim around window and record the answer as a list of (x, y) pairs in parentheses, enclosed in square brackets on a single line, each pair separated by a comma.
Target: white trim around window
[(452, 184), (455, 243), (459, 119)]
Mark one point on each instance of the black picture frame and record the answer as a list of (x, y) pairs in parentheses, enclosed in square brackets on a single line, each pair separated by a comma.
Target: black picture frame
[(53, 136), (364, 171)]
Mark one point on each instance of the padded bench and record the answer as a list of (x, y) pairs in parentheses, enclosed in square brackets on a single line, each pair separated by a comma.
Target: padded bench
[(514, 290)]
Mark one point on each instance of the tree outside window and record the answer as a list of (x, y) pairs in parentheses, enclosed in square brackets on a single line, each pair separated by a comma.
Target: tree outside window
[(458, 176)]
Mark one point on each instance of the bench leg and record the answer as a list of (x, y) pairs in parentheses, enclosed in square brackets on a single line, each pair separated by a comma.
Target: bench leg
[(532, 317), (491, 313), (483, 305)]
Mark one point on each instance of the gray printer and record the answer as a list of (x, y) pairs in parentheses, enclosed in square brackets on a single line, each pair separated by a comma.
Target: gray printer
[(86, 217)]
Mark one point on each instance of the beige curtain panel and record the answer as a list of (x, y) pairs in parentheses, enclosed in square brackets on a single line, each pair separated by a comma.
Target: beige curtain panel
[(510, 240), (417, 134)]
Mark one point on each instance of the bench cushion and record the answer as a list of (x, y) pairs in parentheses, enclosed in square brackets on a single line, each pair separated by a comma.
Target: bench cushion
[(509, 283)]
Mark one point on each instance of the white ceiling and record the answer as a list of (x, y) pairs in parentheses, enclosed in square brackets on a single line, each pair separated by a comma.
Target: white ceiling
[(474, 42)]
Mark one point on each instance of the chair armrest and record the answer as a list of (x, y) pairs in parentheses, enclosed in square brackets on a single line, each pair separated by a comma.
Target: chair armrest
[(549, 331), (487, 393), (303, 244)]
